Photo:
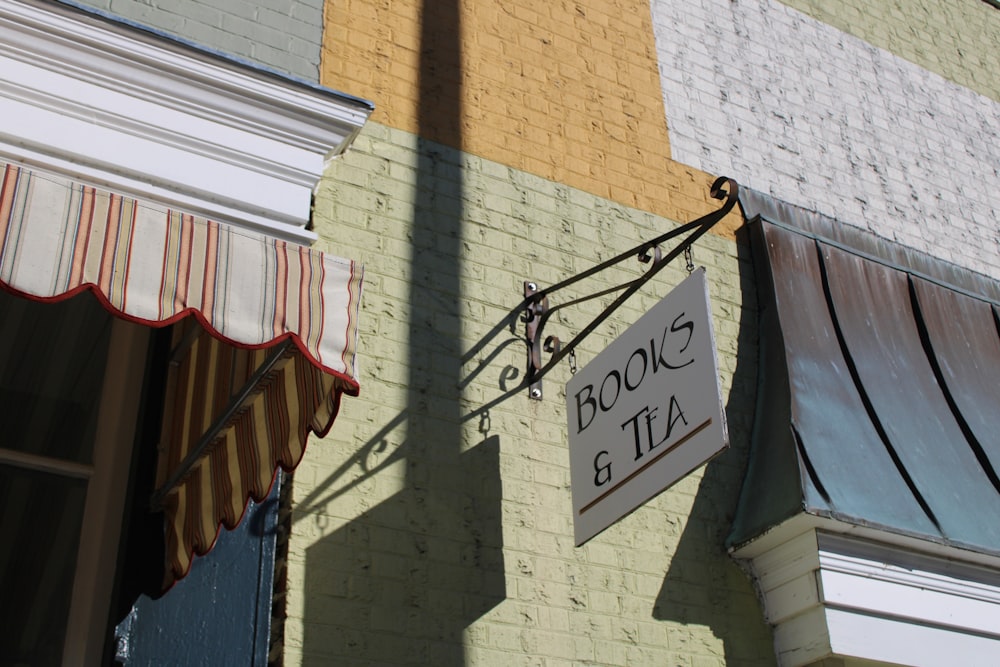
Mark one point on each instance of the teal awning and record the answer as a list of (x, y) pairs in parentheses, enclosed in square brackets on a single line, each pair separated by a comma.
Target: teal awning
[(879, 391)]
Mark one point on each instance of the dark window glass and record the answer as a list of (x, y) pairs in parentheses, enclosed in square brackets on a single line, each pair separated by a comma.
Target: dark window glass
[(52, 360), (40, 518)]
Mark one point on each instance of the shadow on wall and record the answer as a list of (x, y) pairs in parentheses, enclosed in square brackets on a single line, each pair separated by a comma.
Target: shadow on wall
[(704, 586), (401, 583)]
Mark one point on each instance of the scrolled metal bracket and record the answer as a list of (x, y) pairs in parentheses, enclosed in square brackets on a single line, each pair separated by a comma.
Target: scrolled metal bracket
[(536, 301), (532, 317)]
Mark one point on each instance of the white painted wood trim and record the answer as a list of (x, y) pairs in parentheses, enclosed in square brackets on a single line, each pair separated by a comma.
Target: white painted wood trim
[(136, 112), (803, 639), (922, 591), (899, 544), (831, 595), (871, 638)]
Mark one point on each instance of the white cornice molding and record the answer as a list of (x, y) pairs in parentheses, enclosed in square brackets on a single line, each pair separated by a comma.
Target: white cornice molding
[(804, 522), (129, 109), (832, 594)]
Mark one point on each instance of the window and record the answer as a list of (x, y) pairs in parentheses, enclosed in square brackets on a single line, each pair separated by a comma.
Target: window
[(70, 381)]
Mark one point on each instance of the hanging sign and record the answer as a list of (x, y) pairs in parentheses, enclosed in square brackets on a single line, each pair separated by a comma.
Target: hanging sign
[(646, 411)]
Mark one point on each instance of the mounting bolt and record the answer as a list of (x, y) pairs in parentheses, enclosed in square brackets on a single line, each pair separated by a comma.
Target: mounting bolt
[(536, 392), (532, 287)]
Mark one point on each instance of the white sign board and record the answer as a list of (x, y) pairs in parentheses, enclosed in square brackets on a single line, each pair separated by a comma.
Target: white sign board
[(646, 411)]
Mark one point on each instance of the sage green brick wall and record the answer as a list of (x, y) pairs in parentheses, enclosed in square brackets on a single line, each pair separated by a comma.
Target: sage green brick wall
[(433, 525), (953, 38)]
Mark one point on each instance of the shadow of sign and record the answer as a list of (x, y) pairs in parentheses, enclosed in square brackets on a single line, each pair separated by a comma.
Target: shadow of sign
[(401, 582), (703, 585)]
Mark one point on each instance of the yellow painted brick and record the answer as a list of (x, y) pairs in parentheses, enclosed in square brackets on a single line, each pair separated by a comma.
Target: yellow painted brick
[(544, 65)]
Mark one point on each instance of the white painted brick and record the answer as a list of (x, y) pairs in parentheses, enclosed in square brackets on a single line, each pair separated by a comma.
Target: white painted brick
[(815, 75)]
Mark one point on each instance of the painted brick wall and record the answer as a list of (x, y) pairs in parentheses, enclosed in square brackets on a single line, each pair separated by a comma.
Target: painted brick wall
[(433, 525), (956, 39), (283, 35), (566, 91), (794, 107)]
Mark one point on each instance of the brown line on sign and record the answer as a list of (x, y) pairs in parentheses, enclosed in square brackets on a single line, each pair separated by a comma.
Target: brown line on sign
[(694, 432)]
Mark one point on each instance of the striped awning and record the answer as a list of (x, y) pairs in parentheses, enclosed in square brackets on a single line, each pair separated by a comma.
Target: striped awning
[(264, 346)]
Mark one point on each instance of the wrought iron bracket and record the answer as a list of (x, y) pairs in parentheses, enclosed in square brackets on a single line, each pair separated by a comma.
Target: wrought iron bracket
[(236, 403), (536, 301), (534, 316)]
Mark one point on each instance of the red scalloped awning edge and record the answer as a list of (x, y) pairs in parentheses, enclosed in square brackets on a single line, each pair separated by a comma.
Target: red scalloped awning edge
[(270, 433), (350, 385), (156, 267)]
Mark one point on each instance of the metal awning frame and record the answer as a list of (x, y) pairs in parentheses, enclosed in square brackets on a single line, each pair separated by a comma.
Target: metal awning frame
[(236, 403), (537, 310)]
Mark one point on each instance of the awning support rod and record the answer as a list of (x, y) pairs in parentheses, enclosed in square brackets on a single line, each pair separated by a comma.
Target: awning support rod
[(537, 311), (235, 404)]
